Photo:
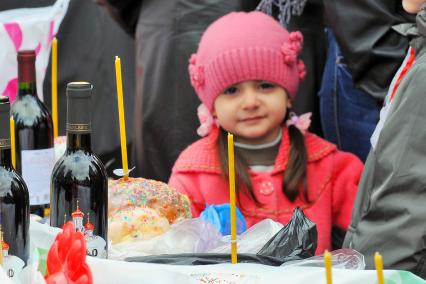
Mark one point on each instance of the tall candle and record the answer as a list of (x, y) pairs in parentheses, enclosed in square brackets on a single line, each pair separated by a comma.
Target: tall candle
[(121, 117), (55, 86), (327, 263), (12, 141), (232, 199), (379, 268)]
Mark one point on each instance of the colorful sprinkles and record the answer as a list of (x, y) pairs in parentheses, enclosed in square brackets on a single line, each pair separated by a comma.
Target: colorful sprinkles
[(137, 192)]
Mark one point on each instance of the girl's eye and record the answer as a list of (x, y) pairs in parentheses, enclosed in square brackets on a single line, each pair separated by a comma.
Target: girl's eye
[(266, 85), (231, 90)]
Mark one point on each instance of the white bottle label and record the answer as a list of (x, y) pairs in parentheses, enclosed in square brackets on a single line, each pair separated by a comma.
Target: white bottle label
[(95, 246), (13, 265), (37, 167)]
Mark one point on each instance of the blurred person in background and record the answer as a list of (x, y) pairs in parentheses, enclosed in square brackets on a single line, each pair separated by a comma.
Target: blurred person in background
[(166, 32), (364, 52), (389, 210)]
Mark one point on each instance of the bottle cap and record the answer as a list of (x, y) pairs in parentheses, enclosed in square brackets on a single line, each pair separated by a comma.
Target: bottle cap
[(79, 96), (26, 55), (4, 122), (26, 66), (79, 89)]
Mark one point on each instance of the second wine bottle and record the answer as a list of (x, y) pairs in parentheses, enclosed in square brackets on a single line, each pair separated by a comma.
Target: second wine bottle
[(35, 155), (14, 205), (79, 188)]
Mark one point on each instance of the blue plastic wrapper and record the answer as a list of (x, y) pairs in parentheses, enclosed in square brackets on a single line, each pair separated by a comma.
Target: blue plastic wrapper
[(219, 216)]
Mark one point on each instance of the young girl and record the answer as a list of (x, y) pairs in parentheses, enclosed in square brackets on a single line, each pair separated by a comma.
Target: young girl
[(246, 73)]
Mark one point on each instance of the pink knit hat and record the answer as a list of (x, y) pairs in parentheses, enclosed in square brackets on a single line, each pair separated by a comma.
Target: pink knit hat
[(245, 46)]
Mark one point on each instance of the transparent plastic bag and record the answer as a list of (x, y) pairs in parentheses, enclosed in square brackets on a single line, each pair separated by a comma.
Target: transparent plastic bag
[(187, 236), (341, 258), (196, 236), (252, 240)]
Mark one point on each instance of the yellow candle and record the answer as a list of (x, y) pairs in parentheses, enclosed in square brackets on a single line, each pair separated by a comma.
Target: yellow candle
[(232, 200), (327, 263), (379, 268), (121, 117), (12, 141), (55, 86)]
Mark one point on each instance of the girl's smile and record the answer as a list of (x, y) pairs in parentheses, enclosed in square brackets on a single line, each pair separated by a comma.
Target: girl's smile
[(252, 119)]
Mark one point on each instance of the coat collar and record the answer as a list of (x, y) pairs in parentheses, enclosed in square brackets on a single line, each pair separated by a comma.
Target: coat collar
[(203, 155), (415, 32)]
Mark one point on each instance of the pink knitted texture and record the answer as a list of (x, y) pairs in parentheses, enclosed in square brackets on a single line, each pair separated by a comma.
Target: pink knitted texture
[(245, 46)]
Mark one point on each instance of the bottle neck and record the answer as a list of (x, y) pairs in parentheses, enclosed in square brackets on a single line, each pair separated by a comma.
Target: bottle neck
[(26, 75), (77, 141), (5, 157), (27, 88)]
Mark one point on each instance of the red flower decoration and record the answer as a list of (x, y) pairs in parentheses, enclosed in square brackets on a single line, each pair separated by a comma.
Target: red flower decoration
[(296, 40), (66, 260), (290, 55), (292, 48), (196, 72)]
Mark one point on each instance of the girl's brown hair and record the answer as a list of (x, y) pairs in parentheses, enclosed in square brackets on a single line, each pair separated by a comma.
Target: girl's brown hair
[(294, 175)]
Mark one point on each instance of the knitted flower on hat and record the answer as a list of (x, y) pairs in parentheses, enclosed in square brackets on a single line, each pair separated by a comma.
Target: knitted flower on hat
[(244, 46)]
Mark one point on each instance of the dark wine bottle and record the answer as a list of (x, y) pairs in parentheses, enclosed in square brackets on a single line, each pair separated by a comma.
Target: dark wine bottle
[(35, 154), (14, 204), (79, 187)]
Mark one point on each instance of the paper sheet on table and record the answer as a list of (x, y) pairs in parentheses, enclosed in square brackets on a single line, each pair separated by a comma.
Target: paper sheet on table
[(111, 271)]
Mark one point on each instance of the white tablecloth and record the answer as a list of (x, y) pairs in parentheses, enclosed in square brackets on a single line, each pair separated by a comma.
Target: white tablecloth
[(107, 271)]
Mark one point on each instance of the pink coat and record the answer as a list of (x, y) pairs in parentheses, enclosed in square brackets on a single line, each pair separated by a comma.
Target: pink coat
[(332, 178)]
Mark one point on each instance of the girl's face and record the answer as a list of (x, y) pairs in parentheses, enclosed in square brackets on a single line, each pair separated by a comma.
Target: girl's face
[(252, 110), (412, 6)]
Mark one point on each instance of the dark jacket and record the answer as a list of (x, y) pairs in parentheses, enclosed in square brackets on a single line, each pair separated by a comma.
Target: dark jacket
[(372, 50), (166, 33), (390, 209)]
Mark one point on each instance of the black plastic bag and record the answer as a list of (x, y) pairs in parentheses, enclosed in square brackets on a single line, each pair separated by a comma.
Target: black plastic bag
[(297, 240), (205, 258)]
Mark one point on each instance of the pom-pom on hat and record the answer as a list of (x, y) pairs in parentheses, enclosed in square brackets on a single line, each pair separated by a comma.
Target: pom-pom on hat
[(244, 46)]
